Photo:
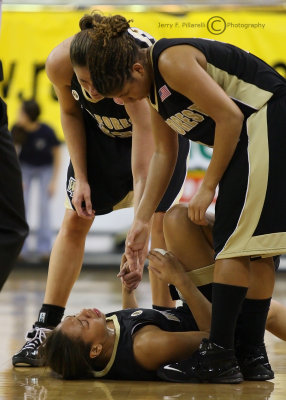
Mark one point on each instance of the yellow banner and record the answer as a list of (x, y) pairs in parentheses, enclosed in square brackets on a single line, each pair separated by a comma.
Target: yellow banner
[(28, 37)]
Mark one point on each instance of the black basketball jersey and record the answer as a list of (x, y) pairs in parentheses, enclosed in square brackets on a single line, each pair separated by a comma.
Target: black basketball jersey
[(110, 117), (246, 79), (122, 364)]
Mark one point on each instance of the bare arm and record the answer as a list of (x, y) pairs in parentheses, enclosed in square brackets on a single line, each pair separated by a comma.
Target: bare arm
[(168, 268), (142, 145), (142, 150), (128, 295), (160, 171), (60, 71), (183, 68), (154, 347)]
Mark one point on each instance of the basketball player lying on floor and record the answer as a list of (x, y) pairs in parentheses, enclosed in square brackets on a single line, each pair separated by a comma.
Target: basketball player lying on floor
[(134, 342)]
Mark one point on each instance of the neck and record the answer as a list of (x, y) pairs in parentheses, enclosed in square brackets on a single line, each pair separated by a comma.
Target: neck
[(32, 126), (102, 360)]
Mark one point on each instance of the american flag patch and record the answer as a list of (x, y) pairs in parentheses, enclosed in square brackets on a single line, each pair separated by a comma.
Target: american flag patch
[(164, 92)]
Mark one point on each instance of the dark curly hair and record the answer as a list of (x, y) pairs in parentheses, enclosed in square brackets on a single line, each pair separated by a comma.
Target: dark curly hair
[(68, 357), (104, 46), (82, 42)]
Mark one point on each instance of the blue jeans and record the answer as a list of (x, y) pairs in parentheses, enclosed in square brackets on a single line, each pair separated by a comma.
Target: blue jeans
[(43, 176)]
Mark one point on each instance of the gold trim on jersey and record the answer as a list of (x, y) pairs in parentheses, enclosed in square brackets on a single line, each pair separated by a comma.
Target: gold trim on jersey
[(150, 56), (241, 242), (87, 96), (237, 89), (99, 374)]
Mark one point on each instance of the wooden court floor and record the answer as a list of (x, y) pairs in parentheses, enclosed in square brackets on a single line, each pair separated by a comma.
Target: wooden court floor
[(19, 304)]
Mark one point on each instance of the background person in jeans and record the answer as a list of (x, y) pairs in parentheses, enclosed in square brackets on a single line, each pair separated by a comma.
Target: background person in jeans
[(39, 155)]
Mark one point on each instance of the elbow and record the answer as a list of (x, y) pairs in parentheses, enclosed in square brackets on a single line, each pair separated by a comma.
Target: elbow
[(235, 120), (231, 123), (139, 179), (239, 118)]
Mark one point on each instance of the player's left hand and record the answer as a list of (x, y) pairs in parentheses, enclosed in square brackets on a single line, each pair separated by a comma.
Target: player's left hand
[(167, 267), (199, 203)]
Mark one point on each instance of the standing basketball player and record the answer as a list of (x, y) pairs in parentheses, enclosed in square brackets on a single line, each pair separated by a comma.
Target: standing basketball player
[(221, 96), (100, 135)]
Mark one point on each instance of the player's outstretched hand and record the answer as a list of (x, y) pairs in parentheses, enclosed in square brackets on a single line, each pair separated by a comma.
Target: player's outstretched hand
[(166, 266), (129, 279)]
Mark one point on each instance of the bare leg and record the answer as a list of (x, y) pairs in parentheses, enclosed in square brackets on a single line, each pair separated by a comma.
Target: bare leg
[(261, 279), (66, 258), (191, 243), (160, 290), (276, 319), (232, 271)]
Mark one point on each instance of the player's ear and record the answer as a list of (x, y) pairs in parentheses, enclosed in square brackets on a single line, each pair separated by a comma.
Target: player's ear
[(138, 67), (95, 350)]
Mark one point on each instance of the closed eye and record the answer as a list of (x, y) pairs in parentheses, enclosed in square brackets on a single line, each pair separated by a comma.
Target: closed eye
[(69, 316), (84, 322)]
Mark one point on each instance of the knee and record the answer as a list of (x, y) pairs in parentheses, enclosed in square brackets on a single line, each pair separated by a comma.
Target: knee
[(74, 227), (175, 216)]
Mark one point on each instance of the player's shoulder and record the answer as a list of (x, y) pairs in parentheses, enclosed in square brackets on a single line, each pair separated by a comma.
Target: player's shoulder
[(58, 65)]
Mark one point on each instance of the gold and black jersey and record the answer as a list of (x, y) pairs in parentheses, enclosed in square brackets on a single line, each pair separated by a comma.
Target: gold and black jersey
[(110, 118), (250, 208), (122, 364), (108, 131), (246, 79)]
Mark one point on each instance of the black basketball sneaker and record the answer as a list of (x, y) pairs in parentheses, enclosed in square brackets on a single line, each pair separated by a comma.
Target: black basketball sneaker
[(31, 354)]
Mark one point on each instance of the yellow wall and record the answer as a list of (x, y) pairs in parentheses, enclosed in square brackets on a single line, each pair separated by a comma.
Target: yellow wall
[(28, 37)]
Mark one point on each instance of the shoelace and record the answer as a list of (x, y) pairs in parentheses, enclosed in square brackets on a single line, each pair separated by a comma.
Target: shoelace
[(37, 339)]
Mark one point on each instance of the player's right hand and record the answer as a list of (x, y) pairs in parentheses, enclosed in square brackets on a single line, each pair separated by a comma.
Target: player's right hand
[(82, 201)]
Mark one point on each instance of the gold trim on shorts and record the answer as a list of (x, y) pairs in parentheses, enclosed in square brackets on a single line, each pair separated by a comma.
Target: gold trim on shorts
[(126, 202), (202, 276), (242, 242), (67, 203)]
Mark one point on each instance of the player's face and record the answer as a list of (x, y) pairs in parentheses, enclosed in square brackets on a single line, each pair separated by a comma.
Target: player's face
[(83, 76), (89, 325), (136, 88)]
